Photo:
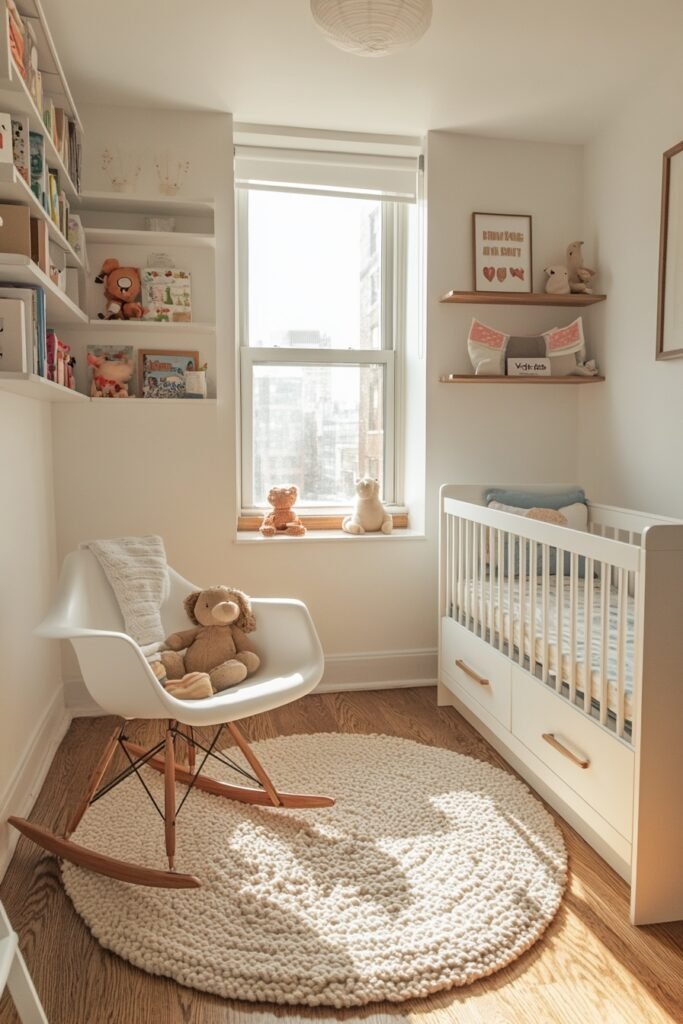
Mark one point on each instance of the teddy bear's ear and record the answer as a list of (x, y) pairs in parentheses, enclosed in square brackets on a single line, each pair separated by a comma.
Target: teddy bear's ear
[(246, 620), (109, 265), (190, 602)]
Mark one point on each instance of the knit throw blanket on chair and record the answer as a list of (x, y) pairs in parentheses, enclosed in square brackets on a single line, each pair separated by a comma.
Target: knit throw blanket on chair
[(138, 574)]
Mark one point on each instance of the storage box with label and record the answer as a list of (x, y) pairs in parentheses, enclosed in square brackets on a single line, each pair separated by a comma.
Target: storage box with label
[(15, 229)]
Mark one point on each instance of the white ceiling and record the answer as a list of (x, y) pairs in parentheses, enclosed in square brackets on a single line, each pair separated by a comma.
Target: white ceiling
[(532, 69)]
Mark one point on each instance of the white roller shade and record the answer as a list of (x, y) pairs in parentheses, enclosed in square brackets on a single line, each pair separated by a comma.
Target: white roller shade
[(391, 178)]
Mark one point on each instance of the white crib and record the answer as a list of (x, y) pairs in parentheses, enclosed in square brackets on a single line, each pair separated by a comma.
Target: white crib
[(565, 650)]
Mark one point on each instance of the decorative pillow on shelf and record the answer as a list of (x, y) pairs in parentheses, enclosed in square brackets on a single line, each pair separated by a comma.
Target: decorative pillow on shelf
[(566, 347), (487, 348)]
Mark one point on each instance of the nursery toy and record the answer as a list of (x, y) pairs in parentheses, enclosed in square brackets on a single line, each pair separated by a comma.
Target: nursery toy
[(283, 520), (110, 377), (217, 644), (122, 289), (558, 280), (579, 276), (369, 514)]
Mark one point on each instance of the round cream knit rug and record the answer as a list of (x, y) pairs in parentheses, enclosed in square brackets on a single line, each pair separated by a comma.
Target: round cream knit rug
[(432, 870)]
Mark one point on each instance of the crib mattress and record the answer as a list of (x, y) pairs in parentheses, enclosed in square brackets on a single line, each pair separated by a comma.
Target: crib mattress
[(516, 631)]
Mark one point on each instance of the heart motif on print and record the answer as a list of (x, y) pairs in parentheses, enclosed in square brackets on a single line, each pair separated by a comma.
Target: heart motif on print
[(501, 274), (517, 272), (489, 273)]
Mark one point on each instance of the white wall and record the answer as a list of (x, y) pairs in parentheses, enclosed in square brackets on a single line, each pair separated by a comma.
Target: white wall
[(631, 427), (142, 467), (32, 718), (477, 433)]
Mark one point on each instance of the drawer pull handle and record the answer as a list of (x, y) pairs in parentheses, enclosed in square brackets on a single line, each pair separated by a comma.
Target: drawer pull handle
[(580, 762), (471, 673)]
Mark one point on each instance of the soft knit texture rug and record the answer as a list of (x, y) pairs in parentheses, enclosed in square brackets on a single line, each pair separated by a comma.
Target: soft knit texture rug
[(432, 870)]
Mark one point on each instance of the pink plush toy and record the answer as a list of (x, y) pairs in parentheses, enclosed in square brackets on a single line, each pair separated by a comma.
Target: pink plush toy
[(110, 377)]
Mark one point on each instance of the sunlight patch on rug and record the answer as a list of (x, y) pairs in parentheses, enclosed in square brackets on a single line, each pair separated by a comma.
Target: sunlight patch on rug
[(432, 870)]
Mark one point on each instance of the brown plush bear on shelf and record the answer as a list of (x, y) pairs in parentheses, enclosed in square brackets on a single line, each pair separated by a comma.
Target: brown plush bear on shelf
[(283, 520), (217, 644), (122, 289)]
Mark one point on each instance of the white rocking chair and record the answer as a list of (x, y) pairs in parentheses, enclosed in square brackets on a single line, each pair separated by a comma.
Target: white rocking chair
[(121, 682)]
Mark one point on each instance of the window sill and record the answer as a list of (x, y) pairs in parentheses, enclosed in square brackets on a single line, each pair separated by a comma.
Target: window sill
[(254, 537), (324, 521)]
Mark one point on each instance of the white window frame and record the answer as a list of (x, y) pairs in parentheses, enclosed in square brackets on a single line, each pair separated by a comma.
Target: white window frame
[(389, 356)]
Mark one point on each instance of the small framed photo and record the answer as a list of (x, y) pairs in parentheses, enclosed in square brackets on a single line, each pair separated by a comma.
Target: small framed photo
[(501, 244), (162, 373)]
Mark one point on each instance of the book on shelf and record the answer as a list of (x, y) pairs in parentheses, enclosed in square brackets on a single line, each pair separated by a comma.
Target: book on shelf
[(20, 146), (35, 329), (39, 184), (13, 326), (17, 37)]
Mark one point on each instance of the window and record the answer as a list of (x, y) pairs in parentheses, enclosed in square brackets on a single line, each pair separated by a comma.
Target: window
[(321, 312)]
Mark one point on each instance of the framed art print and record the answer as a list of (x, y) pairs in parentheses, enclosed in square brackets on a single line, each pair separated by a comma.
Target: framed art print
[(162, 373), (670, 301), (502, 252)]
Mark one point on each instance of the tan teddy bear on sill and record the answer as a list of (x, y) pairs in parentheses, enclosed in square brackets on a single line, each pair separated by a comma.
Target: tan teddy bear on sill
[(218, 643), (283, 520), (369, 514)]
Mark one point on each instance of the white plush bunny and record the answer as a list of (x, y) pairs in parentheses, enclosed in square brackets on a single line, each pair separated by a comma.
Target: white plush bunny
[(369, 514)]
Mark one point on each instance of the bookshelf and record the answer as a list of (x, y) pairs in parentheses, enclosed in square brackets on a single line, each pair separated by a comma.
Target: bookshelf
[(145, 204), (30, 385), (135, 236), (19, 269), (14, 189)]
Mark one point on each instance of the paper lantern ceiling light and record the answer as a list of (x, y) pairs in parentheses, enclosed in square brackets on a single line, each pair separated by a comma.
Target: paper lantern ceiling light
[(372, 28)]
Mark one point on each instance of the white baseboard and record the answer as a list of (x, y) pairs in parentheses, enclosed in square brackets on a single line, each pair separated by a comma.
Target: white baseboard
[(376, 670), (21, 791)]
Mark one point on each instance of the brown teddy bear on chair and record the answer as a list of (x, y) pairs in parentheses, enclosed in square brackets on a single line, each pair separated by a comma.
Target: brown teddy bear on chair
[(217, 644)]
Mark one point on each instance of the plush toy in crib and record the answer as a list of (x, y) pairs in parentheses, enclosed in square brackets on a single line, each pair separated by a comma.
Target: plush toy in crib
[(217, 644), (369, 514)]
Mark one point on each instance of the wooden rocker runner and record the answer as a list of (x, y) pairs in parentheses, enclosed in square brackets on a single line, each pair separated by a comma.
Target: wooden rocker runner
[(121, 682)]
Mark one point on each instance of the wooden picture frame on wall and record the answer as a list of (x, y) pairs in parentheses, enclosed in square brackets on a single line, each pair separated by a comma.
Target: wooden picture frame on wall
[(502, 252), (670, 293), (162, 372)]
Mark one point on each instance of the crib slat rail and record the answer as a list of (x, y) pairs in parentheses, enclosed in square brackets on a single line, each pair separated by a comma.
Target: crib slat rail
[(558, 598)]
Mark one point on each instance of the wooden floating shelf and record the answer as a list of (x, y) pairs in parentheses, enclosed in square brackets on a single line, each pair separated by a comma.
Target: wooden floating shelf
[(470, 378), (32, 386), (122, 236), (60, 309), (521, 299)]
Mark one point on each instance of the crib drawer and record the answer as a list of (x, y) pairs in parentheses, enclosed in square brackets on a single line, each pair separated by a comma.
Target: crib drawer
[(597, 766), (479, 671)]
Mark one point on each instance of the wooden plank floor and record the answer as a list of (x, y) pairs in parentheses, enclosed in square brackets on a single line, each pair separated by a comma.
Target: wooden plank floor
[(590, 967)]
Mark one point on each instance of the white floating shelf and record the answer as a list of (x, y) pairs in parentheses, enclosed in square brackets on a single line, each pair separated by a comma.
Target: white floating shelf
[(194, 327), (60, 309), (151, 205), (14, 189), (32, 386), (153, 401), (122, 236)]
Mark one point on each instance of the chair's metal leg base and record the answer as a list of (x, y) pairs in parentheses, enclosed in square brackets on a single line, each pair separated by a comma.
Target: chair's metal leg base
[(240, 793)]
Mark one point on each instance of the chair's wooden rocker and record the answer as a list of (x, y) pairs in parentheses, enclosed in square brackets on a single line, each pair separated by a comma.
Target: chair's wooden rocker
[(121, 682)]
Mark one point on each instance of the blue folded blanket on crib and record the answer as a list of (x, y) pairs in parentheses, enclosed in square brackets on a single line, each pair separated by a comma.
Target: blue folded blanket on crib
[(534, 499)]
